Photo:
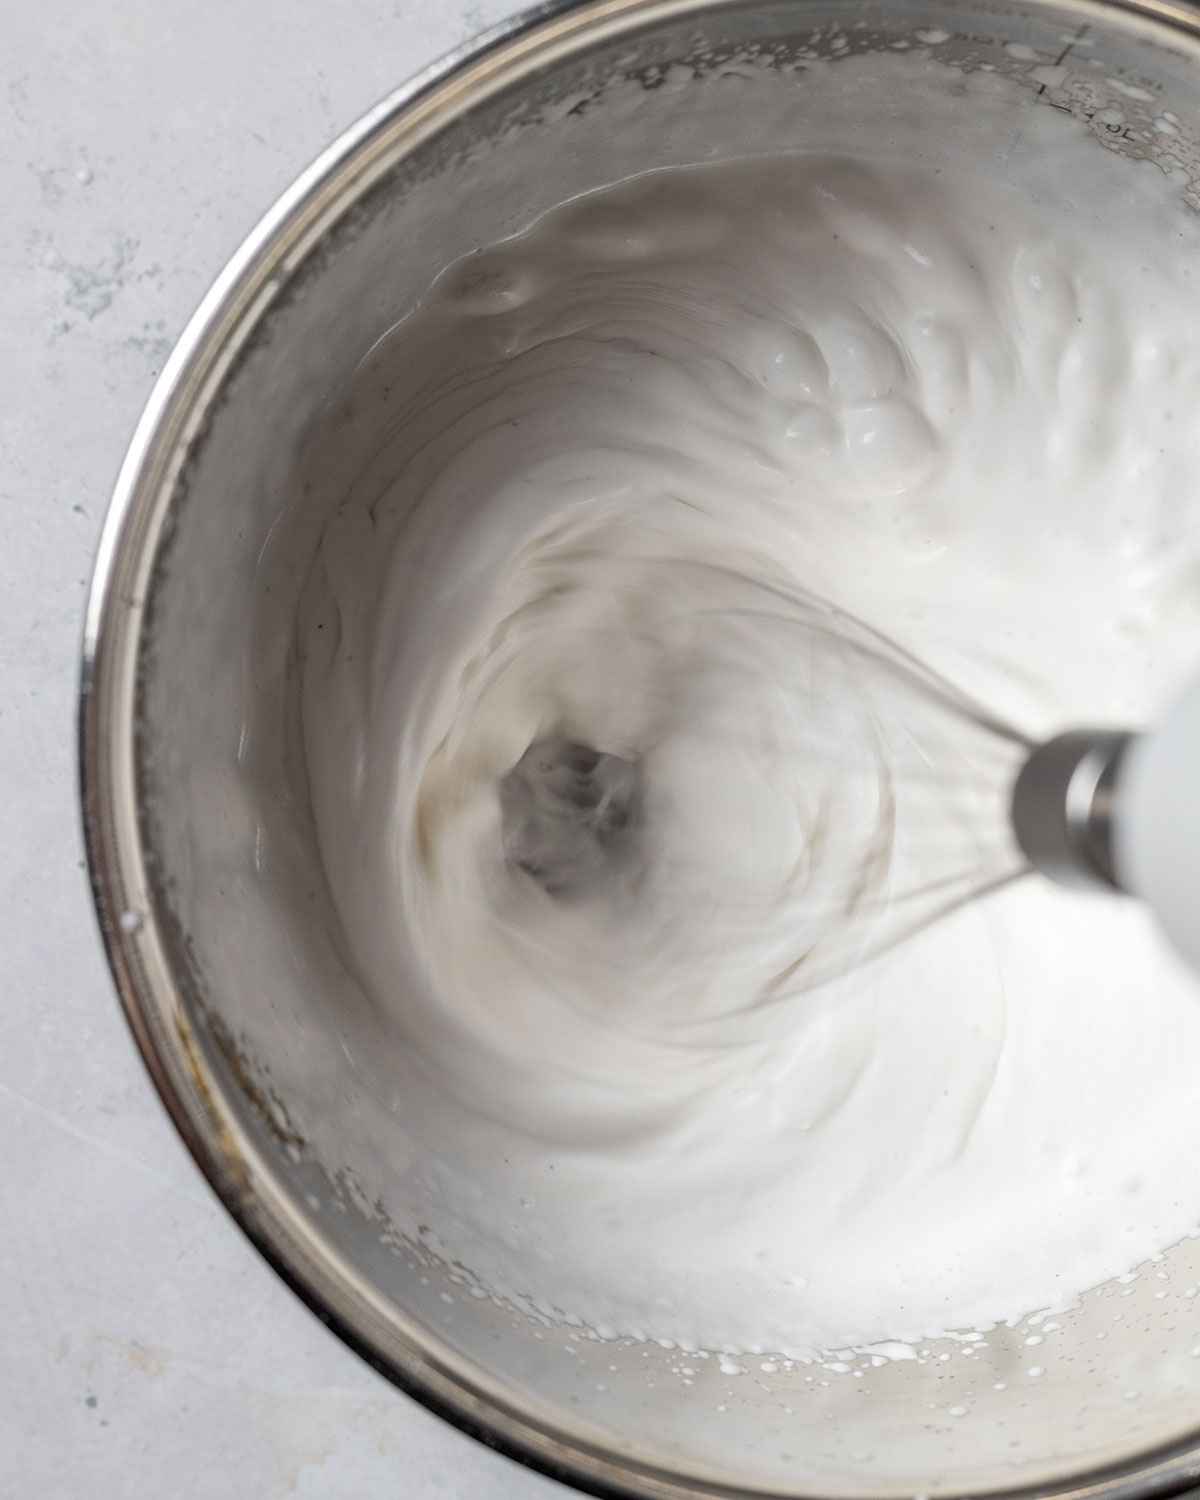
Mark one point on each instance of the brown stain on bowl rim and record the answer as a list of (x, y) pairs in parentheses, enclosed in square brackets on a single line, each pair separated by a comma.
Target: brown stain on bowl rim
[(232, 1164)]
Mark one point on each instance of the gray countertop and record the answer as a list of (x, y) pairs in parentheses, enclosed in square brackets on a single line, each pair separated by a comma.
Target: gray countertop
[(144, 1348)]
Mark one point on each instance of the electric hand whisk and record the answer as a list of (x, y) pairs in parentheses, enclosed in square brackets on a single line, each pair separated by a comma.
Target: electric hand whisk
[(1121, 811), (1113, 810)]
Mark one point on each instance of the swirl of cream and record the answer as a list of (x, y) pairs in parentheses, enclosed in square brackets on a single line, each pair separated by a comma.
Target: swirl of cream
[(683, 475)]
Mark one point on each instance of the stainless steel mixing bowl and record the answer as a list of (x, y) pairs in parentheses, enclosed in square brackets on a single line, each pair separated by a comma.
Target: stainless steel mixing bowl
[(206, 878)]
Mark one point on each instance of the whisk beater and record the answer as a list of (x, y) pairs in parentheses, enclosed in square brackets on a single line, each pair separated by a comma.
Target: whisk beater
[(906, 778)]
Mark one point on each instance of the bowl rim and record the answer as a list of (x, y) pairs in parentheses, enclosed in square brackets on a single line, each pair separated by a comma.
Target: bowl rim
[(411, 1357)]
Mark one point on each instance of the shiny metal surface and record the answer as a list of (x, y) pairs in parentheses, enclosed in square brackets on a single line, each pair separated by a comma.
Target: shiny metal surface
[(1063, 804), (213, 914)]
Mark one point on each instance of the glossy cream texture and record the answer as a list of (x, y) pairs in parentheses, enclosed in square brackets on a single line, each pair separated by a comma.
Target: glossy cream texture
[(793, 481)]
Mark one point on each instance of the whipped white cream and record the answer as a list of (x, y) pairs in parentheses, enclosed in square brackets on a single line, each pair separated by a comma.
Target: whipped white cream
[(765, 477)]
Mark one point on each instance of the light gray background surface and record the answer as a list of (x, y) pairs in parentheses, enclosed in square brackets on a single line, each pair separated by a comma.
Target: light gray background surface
[(145, 1350)]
